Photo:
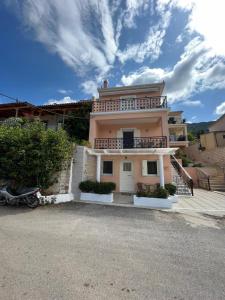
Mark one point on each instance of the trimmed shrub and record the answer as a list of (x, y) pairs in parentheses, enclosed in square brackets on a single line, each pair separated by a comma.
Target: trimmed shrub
[(87, 186), (97, 187), (171, 188), (159, 193)]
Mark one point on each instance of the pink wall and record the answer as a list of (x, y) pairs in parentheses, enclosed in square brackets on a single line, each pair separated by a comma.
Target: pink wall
[(193, 173), (137, 161), (100, 130)]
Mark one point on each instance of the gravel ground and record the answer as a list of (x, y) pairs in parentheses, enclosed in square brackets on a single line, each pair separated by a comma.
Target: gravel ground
[(81, 251)]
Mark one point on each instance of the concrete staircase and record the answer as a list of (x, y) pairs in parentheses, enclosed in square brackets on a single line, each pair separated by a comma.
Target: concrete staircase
[(217, 183), (182, 188), (211, 178)]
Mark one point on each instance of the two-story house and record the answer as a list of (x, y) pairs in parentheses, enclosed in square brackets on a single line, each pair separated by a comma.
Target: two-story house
[(131, 136)]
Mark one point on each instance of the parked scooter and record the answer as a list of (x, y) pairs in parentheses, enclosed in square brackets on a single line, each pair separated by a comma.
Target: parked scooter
[(28, 196)]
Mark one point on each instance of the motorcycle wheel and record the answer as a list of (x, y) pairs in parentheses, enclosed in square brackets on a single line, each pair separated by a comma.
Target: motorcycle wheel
[(32, 201), (2, 201)]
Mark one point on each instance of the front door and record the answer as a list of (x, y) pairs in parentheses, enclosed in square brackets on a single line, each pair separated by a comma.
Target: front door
[(128, 139), (126, 176)]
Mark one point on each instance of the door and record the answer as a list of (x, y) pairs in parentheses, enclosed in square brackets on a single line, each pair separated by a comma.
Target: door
[(128, 139), (126, 176)]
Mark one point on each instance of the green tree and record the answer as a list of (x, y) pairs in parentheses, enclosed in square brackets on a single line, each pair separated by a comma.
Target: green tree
[(31, 155), (191, 137), (77, 123)]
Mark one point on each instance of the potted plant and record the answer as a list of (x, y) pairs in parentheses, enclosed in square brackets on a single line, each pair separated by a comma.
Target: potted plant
[(97, 191)]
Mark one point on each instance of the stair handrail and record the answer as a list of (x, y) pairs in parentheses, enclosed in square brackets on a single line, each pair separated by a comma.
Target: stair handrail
[(205, 175), (183, 173)]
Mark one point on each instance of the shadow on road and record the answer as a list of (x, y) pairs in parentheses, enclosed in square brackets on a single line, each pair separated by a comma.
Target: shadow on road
[(13, 210)]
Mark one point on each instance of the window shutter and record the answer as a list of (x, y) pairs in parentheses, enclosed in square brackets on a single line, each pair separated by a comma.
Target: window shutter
[(144, 168)]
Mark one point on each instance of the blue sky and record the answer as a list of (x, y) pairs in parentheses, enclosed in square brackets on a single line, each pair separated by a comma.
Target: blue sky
[(60, 51)]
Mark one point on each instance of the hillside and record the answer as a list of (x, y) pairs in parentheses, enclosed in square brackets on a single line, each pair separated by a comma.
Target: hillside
[(200, 127)]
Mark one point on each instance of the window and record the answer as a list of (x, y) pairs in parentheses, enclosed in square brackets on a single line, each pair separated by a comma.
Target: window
[(150, 168), (107, 167), (127, 167)]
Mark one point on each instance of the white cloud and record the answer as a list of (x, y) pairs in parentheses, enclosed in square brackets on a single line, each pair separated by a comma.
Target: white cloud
[(220, 109), (61, 101), (89, 87), (207, 18), (133, 9), (151, 47), (197, 70), (66, 28), (64, 92), (193, 103)]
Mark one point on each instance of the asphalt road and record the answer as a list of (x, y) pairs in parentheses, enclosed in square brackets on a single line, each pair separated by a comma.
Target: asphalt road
[(81, 251)]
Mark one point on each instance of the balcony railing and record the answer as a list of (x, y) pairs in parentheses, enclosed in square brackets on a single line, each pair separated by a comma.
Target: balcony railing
[(140, 142), (178, 138), (129, 104)]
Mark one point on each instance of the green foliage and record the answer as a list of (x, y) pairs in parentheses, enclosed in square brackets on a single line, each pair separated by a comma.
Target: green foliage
[(171, 188), (199, 128), (31, 155), (87, 186), (97, 187), (186, 161), (191, 137), (181, 155), (197, 165), (158, 193), (77, 123)]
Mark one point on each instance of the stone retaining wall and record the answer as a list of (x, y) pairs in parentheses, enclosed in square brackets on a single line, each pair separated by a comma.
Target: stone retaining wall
[(211, 157)]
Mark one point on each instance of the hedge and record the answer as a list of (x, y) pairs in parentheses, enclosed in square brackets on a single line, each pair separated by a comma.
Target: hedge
[(89, 186)]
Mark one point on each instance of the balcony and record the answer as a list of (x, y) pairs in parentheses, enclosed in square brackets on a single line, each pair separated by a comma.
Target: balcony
[(178, 138), (139, 142), (131, 104)]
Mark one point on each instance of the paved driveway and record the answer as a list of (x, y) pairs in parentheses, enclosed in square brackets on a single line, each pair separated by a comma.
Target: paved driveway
[(203, 201), (81, 251)]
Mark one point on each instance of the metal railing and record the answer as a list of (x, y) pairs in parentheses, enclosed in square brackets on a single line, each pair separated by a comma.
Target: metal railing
[(138, 142), (203, 179), (183, 173), (129, 104)]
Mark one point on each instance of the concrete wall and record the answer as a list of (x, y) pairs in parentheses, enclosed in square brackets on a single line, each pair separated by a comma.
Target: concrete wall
[(211, 157), (220, 138), (63, 181), (84, 168), (208, 140), (193, 173)]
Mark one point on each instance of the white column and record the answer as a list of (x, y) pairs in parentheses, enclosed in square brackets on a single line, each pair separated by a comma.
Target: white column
[(98, 168), (161, 171)]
